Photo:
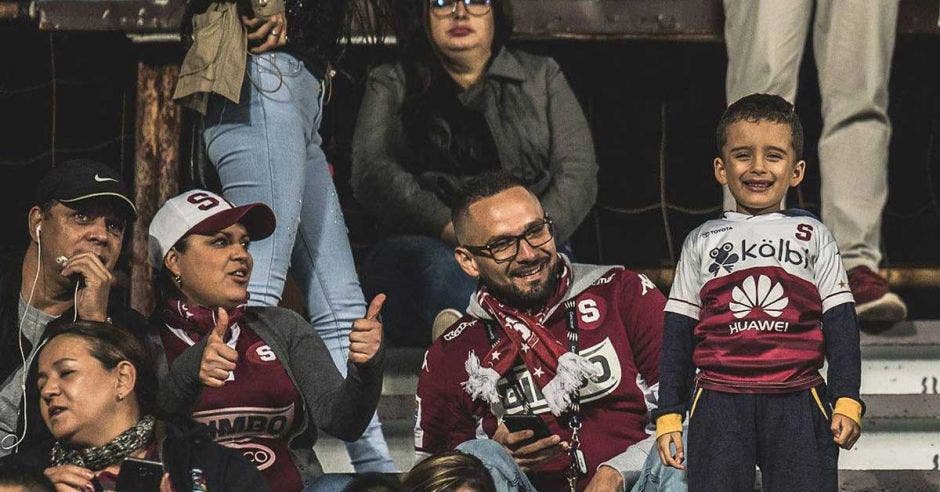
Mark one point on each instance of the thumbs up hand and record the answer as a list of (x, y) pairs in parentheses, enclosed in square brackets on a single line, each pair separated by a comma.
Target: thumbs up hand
[(366, 335), (218, 359)]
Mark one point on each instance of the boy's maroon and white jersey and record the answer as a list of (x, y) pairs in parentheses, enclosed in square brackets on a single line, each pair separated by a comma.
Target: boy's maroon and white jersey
[(620, 318), (758, 286)]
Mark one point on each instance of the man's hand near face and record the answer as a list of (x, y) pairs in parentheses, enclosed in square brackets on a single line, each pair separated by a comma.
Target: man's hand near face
[(94, 286)]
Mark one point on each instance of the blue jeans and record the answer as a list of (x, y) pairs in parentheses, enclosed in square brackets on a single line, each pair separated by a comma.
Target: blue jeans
[(420, 277), (330, 482), (657, 477), (267, 149), (506, 474)]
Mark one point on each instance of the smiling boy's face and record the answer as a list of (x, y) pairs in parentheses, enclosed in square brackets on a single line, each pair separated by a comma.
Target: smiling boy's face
[(759, 165)]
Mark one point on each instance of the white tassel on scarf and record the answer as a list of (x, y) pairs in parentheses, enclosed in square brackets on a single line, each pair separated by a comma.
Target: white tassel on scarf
[(572, 371), (482, 382)]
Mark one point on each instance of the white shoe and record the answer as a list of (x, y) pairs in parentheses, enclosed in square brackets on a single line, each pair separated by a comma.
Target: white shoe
[(888, 308), (444, 320)]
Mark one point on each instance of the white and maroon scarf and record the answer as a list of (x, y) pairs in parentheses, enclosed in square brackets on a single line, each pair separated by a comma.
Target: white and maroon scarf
[(191, 323), (558, 372)]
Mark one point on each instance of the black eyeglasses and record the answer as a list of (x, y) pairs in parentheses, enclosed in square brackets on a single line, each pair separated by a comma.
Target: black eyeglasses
[(506, 248), (476, 8)]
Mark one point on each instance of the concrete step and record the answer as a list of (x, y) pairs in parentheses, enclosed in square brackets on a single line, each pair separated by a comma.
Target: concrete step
[(889, 480), (900, 376), (898, 432), (402, 365), (902, 360), (919, 339)]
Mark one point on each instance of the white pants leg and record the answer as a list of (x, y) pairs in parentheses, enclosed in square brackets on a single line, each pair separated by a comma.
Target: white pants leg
[(765, 41), (853, 42)]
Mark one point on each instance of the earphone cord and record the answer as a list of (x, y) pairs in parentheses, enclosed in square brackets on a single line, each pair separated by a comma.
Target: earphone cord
[(19, 335), (75, 302)]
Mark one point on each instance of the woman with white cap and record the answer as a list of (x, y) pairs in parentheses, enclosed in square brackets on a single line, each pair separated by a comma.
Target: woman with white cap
[(258, 377)]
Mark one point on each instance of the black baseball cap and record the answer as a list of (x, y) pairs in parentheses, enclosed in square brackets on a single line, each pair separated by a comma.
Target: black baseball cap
[(83, 179)]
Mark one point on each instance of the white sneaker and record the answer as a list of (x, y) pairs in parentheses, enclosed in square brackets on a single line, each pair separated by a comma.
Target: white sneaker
[(444, 320)]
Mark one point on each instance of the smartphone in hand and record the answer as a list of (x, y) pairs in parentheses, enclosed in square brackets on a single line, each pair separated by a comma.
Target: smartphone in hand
[(138, 475), (523, 421)]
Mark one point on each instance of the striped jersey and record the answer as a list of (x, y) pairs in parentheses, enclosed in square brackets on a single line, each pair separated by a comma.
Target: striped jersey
[(758, 286)]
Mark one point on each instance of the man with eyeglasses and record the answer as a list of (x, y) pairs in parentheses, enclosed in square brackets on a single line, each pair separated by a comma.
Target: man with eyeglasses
[(575, 346)]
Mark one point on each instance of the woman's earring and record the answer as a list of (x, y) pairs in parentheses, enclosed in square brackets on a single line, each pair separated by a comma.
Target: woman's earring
[(178, 280), (120, 397)]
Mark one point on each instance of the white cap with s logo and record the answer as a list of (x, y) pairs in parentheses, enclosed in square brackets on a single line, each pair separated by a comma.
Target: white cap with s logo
[(203, 212)]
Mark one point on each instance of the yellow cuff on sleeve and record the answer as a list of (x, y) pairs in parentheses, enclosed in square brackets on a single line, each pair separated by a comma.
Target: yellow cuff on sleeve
[(850, 408), (670, 422)]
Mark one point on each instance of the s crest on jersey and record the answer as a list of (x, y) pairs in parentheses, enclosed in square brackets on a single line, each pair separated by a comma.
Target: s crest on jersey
[(592, 310), (261, 353)]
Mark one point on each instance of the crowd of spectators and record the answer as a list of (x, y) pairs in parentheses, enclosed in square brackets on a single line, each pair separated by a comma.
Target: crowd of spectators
[(477, 160)]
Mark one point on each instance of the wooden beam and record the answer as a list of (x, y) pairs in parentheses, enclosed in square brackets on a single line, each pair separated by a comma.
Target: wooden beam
[(157, 175)]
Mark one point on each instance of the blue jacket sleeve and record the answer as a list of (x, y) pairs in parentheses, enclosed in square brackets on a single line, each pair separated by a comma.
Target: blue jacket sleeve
[(840, 330), (676, 370)]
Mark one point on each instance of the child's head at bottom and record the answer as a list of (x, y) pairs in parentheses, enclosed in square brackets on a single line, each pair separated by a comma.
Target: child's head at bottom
[(760, 152)]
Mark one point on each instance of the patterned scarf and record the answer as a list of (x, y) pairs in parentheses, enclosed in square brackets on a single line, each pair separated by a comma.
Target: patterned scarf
[(197, 321), (95, 459), (558, 372)]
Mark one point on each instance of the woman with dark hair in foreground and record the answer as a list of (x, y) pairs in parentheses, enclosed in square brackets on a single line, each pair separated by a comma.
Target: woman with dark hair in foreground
[(97, 395)]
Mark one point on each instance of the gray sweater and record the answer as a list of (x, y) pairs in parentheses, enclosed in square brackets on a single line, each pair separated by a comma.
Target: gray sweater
[(341, 408), (538, 127)]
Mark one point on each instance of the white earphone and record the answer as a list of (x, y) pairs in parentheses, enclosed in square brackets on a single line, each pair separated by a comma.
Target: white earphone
[(16, 440)]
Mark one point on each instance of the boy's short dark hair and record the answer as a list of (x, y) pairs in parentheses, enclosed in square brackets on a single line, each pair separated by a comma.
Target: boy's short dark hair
[(762, 107), (483, 185)]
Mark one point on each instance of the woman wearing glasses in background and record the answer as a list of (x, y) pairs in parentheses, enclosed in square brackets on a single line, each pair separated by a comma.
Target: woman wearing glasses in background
[(457, 103)]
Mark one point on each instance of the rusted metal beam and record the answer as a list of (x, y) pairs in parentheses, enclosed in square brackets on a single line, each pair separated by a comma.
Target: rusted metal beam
[(12, 10), (665, 20), (132, 16), (619, 19), (898, 277), (157, 176)]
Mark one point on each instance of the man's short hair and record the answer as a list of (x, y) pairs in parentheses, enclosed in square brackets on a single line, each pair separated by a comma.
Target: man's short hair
[(483, 185), (762, 107)]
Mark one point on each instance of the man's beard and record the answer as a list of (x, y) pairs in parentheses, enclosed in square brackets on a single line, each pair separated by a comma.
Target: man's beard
[(533, 299)]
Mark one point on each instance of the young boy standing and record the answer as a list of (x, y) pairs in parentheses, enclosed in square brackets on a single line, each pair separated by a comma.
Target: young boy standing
[(760, 300)]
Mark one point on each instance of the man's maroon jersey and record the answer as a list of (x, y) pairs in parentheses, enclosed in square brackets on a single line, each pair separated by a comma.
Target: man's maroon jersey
[(758, 286), (620, 318)]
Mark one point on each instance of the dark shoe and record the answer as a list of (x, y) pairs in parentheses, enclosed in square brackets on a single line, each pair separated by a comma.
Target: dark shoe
[(874, 303)]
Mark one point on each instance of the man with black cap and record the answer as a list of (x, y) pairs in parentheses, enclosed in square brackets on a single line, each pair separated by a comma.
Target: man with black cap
[(76, 229)]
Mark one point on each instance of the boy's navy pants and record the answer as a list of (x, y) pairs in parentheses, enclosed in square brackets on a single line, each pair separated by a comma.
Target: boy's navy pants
[(787, 435)]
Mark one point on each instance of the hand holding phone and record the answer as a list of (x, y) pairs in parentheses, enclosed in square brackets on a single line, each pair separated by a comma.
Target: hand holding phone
[(521, 422), (138, 475), (92, 283), (529, 452)]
